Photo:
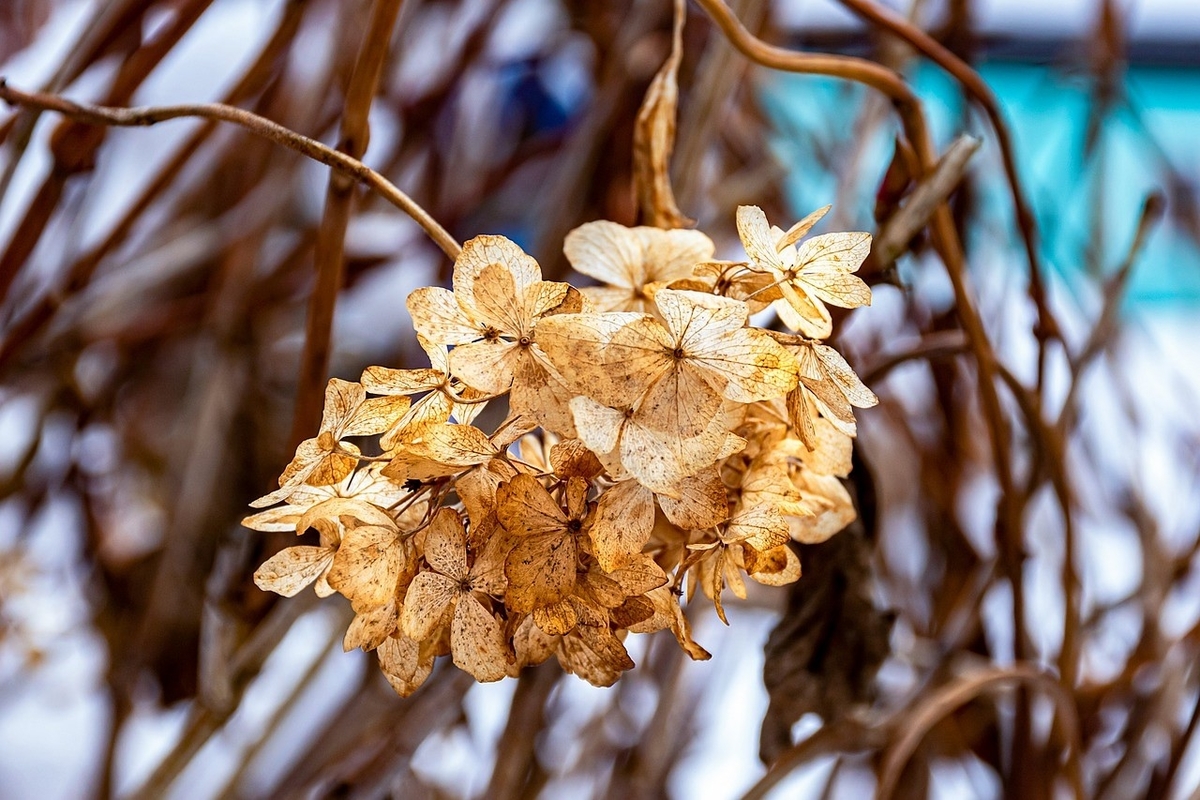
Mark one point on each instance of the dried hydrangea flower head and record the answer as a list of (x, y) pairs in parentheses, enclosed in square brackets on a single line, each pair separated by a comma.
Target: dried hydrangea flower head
[(657, 442)]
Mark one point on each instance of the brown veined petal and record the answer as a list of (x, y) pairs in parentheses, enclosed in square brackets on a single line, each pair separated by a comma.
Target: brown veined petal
[(621, 524), (403, 664), (580, 347), (599, 658), (487, 365), (571, 458), (425, 604), (388, 381), (376, 415), (555, 619), (333, 467), (530, 645), (837, 288), (497, 303), (777, 567), (598, 426), (835, 367), (608, 252), (342, 398), (540, 570), (525, 508), (541, 298), (640, 575), (477, 641), (439, 318), (802, 313), (539, 391), (694, 317), (369, 629), (638, 355), (682, 402), (576, 496), (367, 565), (762, 528), (455, 445), (843, 252), (801, 228), (702, 501), (430, 411), (755, 232), (291, 569), (749, 365), (660, 461), (446, 544), (342, 507), (482, 252)]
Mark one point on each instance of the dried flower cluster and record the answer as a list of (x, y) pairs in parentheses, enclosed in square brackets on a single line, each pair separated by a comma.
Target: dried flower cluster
[(655, 442)]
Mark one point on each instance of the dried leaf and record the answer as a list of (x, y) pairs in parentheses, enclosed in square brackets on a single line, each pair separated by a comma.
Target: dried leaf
[(654, 138)]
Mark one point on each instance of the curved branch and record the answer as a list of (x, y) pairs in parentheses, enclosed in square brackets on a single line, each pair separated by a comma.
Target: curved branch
[(946, 700), (260, 126), (978, 89)]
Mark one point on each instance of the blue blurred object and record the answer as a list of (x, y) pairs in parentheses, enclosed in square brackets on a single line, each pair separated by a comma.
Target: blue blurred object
[(1149, 139)]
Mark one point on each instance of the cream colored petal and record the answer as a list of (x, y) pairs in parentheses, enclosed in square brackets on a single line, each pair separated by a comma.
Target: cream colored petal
[(598, 426), (342, 399), (438, 317), (384, 380), (578, 346), (747, 365), (836, 288), (290, 570), (801, 228), (497, 303), (483, 251), (637, 356), (841, 374), (755, 232), (606, 299), (671, 254), (696, 317), (486, 365), (539, 392), (802, 313), (843, 252), (682, 402), (608, 252)]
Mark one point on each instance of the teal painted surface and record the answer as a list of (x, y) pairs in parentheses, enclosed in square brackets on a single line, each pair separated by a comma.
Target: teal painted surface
[(1149, 140)]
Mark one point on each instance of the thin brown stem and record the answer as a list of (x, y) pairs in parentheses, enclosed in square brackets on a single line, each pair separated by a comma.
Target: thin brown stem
[(260, 126), (331, 236)]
